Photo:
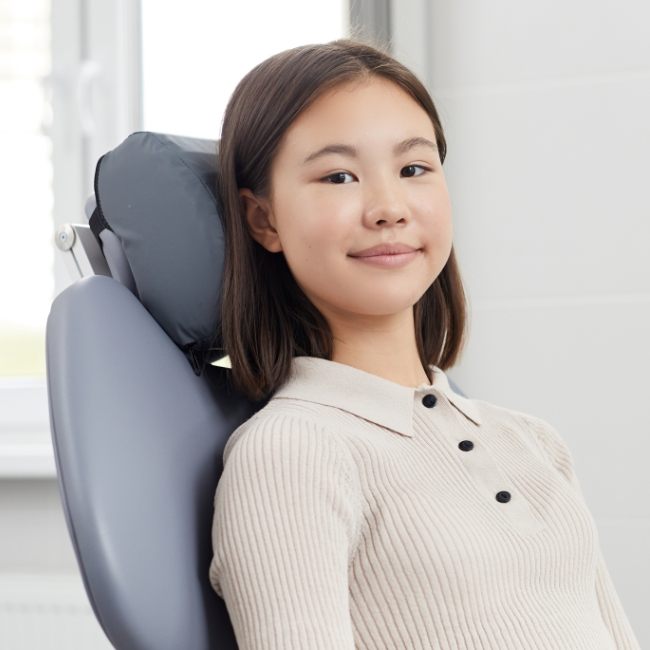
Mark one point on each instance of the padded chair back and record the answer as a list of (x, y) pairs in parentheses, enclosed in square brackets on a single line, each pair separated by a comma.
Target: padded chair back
[(138, 435)]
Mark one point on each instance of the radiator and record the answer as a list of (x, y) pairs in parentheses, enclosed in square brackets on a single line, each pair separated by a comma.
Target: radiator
[(47, 612)]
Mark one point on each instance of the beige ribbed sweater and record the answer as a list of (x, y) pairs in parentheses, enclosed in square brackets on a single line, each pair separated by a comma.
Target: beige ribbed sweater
[(354, 512)]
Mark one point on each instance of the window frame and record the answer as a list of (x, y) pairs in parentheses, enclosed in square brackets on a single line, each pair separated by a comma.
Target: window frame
[(95, 46)]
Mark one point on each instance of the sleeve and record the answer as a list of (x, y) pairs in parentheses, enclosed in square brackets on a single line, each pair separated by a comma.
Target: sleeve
[(286, 520), (610, 604)]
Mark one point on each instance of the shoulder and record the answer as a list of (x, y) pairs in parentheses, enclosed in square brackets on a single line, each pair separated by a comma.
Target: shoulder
[(290, 429)]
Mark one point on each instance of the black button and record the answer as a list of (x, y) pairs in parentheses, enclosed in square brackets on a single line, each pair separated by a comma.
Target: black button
[(503, 497), (466, 445), (429, 401)]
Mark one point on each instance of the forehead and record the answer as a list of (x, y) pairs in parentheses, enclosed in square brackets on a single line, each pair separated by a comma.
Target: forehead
[(377, 110)]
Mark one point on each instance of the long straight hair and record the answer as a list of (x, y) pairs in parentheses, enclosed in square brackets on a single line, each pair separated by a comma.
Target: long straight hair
[(266, 319)]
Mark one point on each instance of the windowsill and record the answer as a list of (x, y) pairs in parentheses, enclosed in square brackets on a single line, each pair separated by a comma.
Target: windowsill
[(25, 442), (27, 456)]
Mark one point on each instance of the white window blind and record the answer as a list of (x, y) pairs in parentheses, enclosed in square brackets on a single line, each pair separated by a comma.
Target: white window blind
[(26, 198)]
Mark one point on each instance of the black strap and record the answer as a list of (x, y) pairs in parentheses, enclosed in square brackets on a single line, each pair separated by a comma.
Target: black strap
[(97, 220), (96, 223)]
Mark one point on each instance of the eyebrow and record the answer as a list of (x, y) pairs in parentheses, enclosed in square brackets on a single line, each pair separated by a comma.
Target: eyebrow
[(348, 150)]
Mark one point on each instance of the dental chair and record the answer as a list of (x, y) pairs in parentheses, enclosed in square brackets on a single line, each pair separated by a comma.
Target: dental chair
[(140, 409), (139, 415)]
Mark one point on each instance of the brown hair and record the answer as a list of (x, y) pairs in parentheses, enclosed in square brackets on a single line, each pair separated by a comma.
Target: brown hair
[(266, 319)]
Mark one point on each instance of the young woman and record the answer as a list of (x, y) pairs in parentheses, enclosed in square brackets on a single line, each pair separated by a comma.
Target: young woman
[(367, 504)]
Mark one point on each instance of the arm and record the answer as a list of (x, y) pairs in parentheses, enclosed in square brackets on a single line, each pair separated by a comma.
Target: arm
[(612, 610), (611, 607), (286, 519)]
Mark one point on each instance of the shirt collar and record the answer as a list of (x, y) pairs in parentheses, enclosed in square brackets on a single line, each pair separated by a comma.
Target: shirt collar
[(369, 396)]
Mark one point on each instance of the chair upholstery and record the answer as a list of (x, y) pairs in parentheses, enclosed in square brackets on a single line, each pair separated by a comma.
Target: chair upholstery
[(138, 440)]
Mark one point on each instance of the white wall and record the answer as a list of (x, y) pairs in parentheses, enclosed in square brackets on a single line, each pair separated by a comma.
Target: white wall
[(545, 107)]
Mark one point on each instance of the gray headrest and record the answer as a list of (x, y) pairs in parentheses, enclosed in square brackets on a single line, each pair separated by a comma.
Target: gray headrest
[(157, 194)]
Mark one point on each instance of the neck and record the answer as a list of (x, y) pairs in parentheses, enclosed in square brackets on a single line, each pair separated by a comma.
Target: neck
[(383, 345)]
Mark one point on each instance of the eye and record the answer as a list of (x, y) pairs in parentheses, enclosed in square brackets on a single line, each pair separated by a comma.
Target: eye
[(336, 175), (426, 169), (338, 178)]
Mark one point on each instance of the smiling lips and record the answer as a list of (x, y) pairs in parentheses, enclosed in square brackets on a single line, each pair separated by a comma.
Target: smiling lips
[(383, 250), (387, 255)]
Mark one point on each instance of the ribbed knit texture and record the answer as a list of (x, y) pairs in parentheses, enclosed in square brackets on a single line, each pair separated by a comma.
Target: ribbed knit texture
[(352, 515)]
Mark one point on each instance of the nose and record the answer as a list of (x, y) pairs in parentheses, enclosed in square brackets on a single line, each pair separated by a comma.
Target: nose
[(386, 203)]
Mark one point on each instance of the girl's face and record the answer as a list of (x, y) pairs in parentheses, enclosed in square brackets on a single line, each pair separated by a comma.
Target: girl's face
[(346, 178)]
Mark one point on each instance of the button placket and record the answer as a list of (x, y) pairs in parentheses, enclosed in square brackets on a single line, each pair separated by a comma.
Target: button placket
[(481, 466)]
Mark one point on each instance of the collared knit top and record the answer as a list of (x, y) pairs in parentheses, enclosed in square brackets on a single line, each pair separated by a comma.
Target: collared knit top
[(355, 512)]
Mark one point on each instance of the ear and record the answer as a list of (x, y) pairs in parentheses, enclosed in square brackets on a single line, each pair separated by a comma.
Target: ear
[(260, 221)]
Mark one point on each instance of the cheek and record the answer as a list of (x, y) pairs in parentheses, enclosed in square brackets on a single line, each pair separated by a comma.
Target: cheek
[(437, 214), (435, 200), (319, 228), (310, 247)]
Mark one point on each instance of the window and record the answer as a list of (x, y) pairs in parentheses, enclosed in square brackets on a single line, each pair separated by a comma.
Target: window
[(26, 263), (67, 97), (186, 87)]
